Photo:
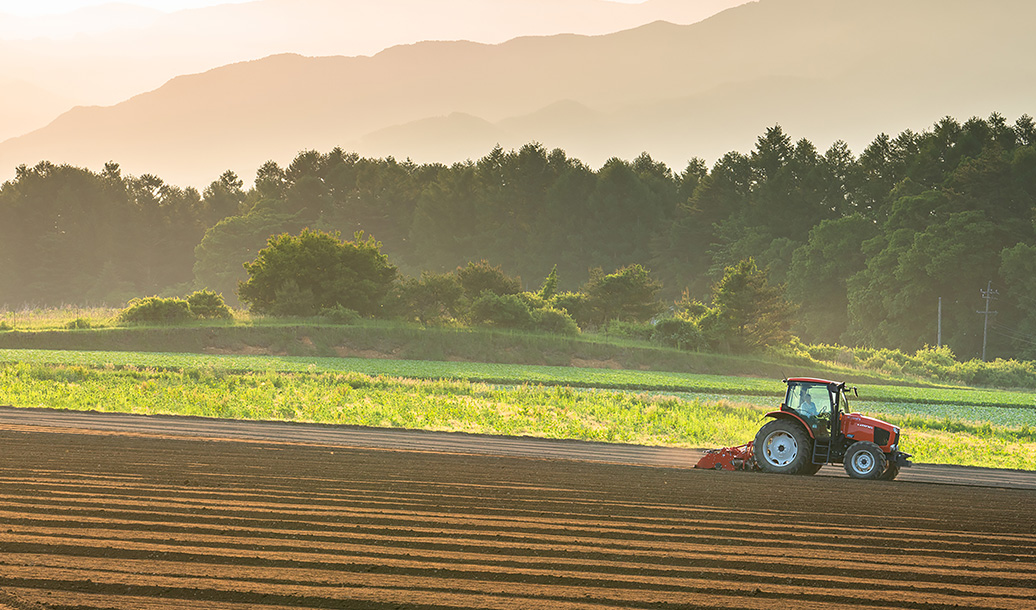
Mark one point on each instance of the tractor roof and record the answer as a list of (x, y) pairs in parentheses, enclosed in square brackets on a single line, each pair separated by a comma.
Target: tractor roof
[(812, 380)]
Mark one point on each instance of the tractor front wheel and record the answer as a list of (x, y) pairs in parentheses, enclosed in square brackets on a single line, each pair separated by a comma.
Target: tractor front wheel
[(891, 472), (865, 460), (783, 447)]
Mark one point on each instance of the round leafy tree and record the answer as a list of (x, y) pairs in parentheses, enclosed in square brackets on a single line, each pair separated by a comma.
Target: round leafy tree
[(302, 275), (480, 277), (627, 294), (209, 304)]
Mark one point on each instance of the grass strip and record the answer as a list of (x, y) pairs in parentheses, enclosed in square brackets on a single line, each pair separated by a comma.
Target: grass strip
[(510, 374), (354, 398)]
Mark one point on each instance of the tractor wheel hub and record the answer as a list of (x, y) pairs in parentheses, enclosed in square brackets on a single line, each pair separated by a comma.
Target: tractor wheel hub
[(780, 448)]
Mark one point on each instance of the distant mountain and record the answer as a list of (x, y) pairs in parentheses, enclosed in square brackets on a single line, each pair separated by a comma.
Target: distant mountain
[(106, 54), (23, 103), (823, 69)]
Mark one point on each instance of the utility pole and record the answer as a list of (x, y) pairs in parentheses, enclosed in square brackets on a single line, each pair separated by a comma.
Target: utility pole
[(938, 335), (988, 294)]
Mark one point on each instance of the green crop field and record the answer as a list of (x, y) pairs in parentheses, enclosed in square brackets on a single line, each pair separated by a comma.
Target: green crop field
[(359, 399), (511, 374), (642, 407)]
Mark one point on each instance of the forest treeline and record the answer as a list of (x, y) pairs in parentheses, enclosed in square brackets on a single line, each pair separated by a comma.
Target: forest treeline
[(864, 246)]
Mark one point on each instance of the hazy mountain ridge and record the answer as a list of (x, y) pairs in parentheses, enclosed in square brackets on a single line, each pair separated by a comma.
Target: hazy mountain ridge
[(107, 54), (824, 70)]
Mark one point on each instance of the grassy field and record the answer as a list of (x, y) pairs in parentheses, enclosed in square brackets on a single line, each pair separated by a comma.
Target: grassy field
[(546, 410), (397, 341), (509, 374), (388, 374), (359, 399)]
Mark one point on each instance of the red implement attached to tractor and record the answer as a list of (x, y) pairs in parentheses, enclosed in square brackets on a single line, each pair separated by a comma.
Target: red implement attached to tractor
[(814, 427), (729, 458)]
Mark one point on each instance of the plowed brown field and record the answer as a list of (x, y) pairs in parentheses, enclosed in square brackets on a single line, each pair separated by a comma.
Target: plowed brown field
[(141, 520)]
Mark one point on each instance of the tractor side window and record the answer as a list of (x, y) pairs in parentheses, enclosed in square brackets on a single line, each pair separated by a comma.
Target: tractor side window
[(793, 398)]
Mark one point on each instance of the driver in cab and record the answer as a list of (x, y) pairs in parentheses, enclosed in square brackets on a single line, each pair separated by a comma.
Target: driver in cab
[(809, 409), (806, 404)]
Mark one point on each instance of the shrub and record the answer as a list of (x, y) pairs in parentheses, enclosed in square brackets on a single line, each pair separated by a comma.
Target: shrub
[(533, 300), (576, 304), (477, 278), (4, 326), (340, 315), (628, 330), (503, 311), (209, 305), (555, 321), (823, 352), (625, 294), (155, 309), (78, 324), (999, 373), (435, 298), (679, 333)]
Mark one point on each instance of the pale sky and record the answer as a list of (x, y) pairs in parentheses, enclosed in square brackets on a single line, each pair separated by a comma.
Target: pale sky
[(53, 7)]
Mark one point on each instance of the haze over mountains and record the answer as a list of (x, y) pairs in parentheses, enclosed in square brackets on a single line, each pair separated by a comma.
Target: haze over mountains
[(106, 54), (824, 69)]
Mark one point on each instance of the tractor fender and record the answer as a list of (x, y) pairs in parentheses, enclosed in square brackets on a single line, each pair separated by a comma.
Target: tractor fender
[(793, 417)]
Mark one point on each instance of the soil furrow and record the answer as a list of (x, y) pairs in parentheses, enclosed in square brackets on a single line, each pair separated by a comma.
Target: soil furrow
[(120, 521)]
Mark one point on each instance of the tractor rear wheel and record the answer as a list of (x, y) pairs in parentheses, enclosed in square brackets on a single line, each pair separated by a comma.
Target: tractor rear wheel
[(783, 447), (810, 469), (865, 460)]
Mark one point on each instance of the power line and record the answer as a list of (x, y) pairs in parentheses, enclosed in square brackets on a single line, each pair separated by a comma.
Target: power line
[(1013, 334)]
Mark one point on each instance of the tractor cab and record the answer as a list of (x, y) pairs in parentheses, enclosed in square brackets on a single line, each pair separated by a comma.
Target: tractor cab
[(817, 403)]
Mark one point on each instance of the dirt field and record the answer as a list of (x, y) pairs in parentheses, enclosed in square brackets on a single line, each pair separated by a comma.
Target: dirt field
[(137, 519)]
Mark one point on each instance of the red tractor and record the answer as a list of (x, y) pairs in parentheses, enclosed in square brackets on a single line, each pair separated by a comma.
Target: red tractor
[(814, 427)]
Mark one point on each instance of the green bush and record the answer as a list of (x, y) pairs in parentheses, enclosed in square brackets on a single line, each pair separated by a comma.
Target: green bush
[(502, 311), (4, 326), (824, 352), (340, 315), (999, 373), (435, 298), (477, 278), (679, 333), (555, 321), (576, 304), (628, 330), (78, 324), (935, 363), (533, 300), (156, 309), (209, 305), (628, 293)]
